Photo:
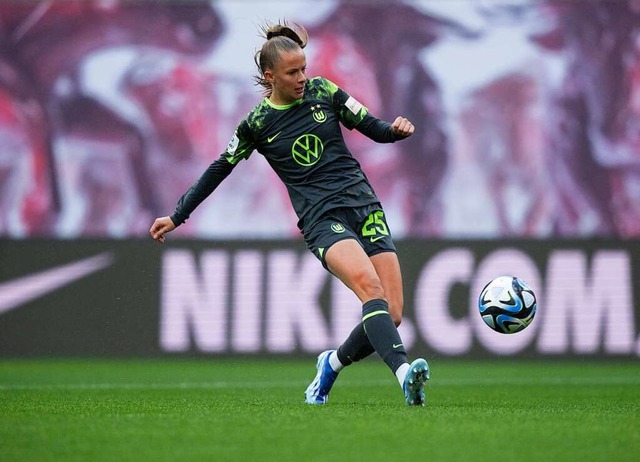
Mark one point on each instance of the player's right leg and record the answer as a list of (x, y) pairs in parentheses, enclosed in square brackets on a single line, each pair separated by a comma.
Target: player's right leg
[(319, 238), (318, 390)]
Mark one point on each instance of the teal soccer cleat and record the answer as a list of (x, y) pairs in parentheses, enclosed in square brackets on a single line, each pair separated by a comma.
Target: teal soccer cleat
[(413, 387), (318, 391)]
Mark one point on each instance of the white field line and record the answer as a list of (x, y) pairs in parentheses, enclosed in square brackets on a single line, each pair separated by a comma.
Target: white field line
[(350, 383)]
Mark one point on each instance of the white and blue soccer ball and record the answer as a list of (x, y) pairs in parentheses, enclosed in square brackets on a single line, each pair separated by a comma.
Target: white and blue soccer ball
[(507, 304)]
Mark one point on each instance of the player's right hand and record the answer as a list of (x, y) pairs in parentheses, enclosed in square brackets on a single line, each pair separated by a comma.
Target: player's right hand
[(160, 227)]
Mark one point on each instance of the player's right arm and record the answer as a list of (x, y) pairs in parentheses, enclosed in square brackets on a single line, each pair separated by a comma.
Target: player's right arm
[(201, 189), (160, 227), (239, 148)]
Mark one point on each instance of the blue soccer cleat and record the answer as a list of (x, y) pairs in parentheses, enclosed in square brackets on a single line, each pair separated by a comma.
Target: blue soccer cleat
[(413, 386), (318, 391)]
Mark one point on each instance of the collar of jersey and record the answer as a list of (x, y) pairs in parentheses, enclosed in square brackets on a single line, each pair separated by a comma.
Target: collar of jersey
[(283, 106)]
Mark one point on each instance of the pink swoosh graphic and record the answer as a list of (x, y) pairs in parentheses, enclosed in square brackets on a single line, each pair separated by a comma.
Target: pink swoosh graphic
[(27, 288)]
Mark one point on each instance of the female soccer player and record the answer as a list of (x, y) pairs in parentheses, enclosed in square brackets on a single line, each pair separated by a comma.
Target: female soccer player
[(297, 128)]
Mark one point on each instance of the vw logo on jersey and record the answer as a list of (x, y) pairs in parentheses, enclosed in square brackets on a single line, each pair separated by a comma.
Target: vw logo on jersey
[(307, 149)]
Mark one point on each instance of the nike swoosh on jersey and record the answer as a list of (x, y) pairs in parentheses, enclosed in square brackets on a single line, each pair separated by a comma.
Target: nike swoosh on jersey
[(374, 239), (271, 138), (28, 288)]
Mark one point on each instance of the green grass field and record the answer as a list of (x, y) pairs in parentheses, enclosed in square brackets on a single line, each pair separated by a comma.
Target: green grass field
[(252, 410)]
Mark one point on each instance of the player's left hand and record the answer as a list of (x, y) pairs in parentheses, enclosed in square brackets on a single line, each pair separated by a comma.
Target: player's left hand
[(402, 127)]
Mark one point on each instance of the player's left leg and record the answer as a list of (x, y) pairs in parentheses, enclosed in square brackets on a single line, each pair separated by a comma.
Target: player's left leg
[(349, 262), (388, 270), (410, 376), (371, 269), (357, 345)]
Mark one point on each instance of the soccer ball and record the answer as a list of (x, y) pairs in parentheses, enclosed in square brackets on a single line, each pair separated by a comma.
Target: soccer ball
[(507, 304)]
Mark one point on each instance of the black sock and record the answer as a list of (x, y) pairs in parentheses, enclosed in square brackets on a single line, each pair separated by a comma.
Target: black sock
[(383, 334), (356, 347)]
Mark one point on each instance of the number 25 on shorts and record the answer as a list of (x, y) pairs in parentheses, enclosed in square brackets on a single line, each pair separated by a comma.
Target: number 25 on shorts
[(375, 227)]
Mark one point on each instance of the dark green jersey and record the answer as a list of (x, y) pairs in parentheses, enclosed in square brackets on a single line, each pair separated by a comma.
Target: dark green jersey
[(304, 145)]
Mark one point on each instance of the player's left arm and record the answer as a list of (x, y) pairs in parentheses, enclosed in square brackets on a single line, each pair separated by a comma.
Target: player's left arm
[(402, 127), (353, 114), (385, 132)]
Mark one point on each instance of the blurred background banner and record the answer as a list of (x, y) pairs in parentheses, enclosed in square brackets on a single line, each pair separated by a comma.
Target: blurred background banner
[(527, 114), (131, 298), (525, 161)]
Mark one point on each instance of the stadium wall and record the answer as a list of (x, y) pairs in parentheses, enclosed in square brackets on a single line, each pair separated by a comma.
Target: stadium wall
[(524, 161), (194, 297)]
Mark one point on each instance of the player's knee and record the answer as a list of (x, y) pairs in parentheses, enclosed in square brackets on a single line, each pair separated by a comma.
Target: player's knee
[(370, 286)]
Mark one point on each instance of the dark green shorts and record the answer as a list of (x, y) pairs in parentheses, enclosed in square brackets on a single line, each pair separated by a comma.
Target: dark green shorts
[(367, 225)]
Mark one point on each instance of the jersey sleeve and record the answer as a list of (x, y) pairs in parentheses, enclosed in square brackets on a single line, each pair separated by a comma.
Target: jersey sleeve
[(201, 189), (350, 111), (378, 130), (354, 114), (240, 147)]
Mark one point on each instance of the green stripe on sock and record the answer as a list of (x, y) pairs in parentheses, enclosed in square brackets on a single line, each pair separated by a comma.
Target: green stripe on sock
[(374, 313)]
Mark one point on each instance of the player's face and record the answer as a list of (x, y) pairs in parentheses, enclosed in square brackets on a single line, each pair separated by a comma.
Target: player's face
[(288, 77)]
